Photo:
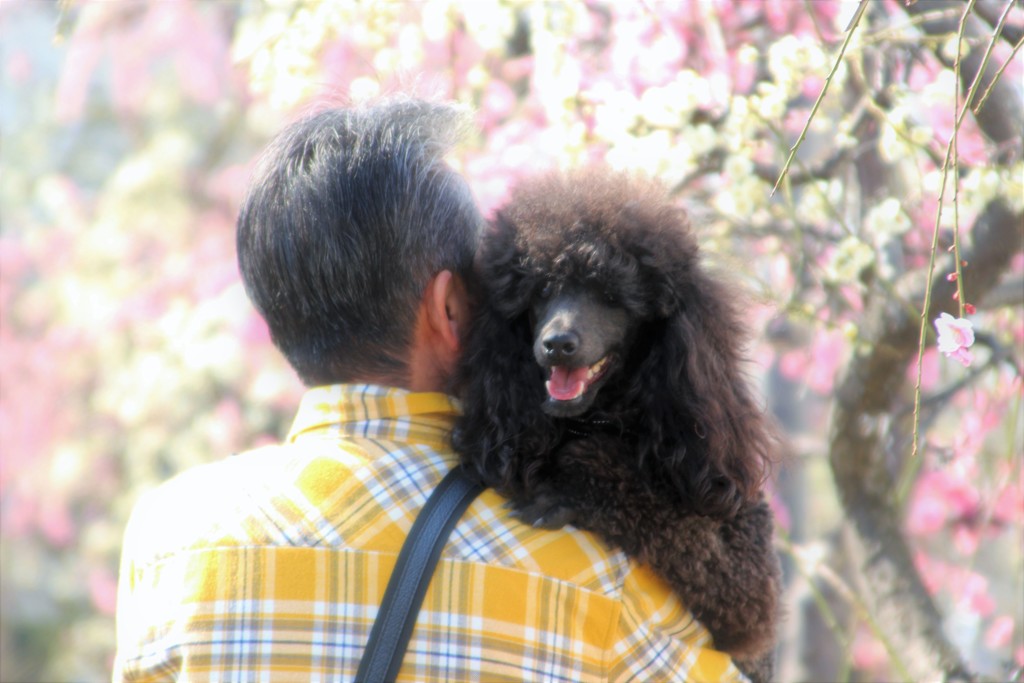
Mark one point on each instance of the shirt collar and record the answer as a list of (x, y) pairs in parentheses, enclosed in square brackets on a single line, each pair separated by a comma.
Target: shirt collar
[(370, 410)]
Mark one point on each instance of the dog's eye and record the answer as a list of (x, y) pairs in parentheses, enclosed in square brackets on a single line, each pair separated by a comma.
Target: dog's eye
[(545, 291)]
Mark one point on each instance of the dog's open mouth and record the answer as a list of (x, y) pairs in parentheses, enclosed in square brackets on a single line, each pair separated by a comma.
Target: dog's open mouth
[(568, 384)]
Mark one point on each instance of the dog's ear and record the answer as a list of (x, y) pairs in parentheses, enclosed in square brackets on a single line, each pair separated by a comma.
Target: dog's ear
[(502, 431), (706, 433), (504, 268), (665, 252)]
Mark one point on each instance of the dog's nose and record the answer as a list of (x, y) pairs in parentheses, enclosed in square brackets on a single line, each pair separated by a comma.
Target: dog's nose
[(561, 346)]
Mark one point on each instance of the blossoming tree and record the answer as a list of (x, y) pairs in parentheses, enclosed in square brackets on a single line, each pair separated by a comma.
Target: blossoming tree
[(857, 165)]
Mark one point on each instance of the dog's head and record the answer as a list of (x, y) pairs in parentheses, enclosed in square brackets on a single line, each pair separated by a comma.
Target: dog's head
[(587, 259), (580, 340)]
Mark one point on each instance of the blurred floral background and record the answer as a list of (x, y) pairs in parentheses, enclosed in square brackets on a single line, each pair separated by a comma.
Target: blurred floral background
[(129, 352)]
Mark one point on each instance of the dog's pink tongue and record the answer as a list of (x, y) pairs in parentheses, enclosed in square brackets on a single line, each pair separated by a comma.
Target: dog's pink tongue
[(566, 384)]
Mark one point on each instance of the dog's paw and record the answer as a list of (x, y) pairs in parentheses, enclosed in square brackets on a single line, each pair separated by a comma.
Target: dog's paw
[(546, 511)]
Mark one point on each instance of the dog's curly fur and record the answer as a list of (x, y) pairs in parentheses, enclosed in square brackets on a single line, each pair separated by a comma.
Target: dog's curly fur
[(668, 461)]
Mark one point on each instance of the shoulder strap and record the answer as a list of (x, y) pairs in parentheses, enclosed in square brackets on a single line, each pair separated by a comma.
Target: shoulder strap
[(407, 586)]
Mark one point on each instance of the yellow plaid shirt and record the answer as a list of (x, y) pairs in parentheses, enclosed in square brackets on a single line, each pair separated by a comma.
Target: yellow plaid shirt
[(270, 566)]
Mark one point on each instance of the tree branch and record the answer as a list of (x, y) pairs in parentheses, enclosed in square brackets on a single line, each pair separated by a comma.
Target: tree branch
[(990, 12), (1009, 292), (864, 400), (864, 480), (1001, 118)]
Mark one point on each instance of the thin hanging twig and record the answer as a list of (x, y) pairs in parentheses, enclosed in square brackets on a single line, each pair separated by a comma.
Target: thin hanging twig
[(824, 88)]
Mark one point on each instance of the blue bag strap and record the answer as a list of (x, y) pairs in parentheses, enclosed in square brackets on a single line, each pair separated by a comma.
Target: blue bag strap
[(389, 637)]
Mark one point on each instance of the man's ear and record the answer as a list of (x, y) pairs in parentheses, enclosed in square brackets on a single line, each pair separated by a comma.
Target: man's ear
[(443, 314), (447, 309)]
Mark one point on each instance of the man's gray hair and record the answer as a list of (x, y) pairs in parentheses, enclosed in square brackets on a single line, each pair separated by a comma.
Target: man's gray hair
[(349, 214)]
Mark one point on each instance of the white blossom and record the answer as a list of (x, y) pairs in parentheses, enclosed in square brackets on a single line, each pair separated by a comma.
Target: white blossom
[(850, 258), (1013, 186), (886, 220), (956, 336)]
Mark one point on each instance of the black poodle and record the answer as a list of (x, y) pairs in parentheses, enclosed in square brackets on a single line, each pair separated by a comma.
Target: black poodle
[(602, 387)]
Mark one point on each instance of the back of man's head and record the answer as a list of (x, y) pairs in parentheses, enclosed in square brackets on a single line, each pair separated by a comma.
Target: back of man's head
[(349, 214)]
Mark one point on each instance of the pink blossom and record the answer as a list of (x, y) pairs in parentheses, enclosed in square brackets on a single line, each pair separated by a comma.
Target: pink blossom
[(818, 367), (254, 331), (966, 539), (956, 335), (868, 652), (84, 53), (999, 633), (103, 590), (941, 497), (498, 102), (930, 376), (927, 515), (55, 522), (19, 67), (1009, 505), (975, 592), (931, 571)]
